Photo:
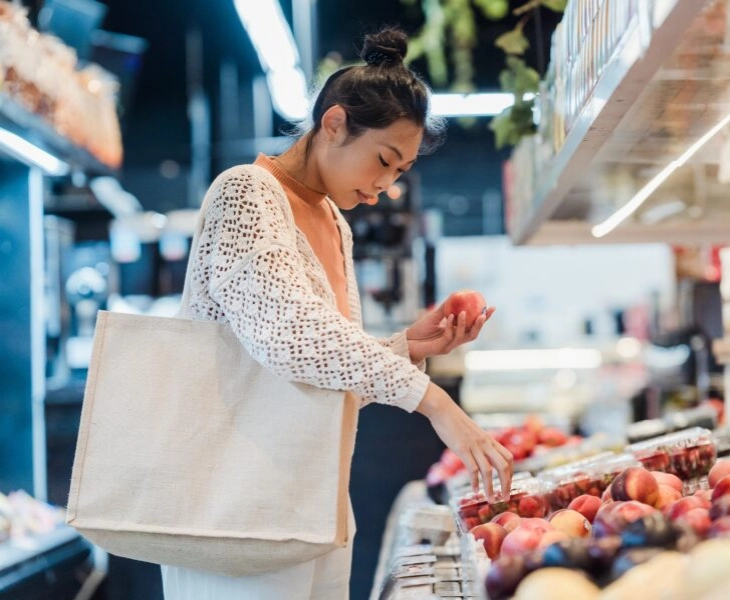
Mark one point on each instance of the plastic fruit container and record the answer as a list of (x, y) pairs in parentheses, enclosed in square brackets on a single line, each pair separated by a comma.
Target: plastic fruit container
[(688, 454), (589, 476), (526, 499)]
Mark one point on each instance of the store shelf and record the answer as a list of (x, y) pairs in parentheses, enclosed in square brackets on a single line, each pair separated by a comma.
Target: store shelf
[(37, 131), (666, 84)]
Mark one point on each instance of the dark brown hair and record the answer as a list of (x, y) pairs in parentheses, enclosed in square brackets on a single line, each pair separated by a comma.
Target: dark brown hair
[(380, 92)]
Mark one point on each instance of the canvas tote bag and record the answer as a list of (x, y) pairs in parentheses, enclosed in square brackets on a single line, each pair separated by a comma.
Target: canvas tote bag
[(190, 453)]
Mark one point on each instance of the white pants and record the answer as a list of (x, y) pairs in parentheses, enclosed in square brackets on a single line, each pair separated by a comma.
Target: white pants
[(324, 578)]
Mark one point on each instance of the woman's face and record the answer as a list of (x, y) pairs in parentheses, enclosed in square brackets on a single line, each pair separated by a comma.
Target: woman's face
[(355, 170)]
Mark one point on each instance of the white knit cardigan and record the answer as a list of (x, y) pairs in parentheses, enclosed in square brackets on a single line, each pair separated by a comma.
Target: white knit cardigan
[(254, 269)]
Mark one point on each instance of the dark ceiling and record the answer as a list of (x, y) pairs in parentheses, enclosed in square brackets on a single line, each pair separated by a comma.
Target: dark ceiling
[(156, 127)]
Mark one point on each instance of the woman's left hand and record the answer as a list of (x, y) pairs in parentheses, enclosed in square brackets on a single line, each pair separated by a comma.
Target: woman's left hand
[(436, 333)]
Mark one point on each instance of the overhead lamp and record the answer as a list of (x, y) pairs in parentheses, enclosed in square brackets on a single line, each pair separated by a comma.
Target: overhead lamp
[(533, 359), (32, 155), (643, 194), (274, 43), (486, 104)]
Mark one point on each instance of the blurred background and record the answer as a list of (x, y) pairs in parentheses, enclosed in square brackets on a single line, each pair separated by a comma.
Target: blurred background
[(115, 120)]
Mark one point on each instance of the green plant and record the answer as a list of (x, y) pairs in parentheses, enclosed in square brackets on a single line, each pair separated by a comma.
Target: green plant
[(452, 25)]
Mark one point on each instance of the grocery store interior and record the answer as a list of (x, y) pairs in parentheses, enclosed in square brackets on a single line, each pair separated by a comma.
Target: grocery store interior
[(581, 190)]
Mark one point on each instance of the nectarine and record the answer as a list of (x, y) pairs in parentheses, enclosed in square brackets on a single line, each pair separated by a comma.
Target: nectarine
[(469, 301)]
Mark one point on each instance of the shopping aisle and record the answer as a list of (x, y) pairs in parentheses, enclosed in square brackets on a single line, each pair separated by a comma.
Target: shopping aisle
[(393, 447)]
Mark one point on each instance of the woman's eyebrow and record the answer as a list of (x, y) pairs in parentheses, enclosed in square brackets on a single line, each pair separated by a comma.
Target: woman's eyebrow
[(399, 153)]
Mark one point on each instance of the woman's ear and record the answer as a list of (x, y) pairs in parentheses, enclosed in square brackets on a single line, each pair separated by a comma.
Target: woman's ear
[(334, 124)]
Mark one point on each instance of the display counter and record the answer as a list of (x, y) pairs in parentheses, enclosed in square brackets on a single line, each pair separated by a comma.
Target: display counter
[(40, 567)]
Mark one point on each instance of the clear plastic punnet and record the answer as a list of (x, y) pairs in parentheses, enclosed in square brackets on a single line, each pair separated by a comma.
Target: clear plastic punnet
[(688, 454), (526, 499), (589, 476)]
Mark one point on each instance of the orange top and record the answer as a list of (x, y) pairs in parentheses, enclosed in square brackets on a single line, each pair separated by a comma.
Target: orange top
[(315, 218)]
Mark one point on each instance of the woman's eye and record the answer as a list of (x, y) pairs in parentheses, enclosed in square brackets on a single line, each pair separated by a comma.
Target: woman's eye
[(382, 161)]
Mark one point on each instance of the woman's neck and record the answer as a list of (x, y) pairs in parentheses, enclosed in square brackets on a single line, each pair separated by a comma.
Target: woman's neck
[(294, 162)]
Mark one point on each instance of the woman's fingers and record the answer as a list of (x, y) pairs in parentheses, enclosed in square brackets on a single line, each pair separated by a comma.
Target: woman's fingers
[(485, 470), (501, 459)]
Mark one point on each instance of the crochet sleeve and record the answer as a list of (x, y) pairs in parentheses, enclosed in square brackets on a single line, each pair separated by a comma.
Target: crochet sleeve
[(398, 343), (261, 285)]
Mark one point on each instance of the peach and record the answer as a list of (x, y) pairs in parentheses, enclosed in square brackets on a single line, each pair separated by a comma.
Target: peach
[(571, 522), (552, 537), (705, 496), (720, 508), (681, 506), (532, 506), (667, 495), (635, 483), (491, 536), (521, 540), (720, 528), (719, 470), (698, 519), (721, 488), (606, 495), (663, 478), (469, 301), (536, 523), (509, 520), (587, 505), (612, 518)]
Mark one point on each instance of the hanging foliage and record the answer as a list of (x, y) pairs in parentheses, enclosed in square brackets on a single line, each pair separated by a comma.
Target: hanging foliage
[(449, 37)]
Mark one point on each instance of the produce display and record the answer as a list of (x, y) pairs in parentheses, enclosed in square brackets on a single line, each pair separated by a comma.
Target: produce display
[(590, 476), (688, 454), (641, 522)]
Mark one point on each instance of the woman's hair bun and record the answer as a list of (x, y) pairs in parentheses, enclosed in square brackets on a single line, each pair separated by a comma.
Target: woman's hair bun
[(386, 47)]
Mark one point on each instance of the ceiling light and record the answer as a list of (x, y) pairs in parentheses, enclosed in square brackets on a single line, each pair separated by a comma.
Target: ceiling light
[(641, 196), (486, 104), (31, 154)]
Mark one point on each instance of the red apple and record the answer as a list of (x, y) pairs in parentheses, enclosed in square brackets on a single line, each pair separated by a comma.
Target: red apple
[(552, 436), (469, 301), (587, 505), (491, 536)]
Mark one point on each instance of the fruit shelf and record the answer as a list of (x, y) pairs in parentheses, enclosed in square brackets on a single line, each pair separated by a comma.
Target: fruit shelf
[(663, 87)]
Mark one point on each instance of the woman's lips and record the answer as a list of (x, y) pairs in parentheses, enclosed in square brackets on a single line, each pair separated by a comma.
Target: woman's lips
[(365, 199)]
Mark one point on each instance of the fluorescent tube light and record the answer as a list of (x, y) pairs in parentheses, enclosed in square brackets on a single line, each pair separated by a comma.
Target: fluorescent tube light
[(535, 359), (641, 196), (31, 154), (476, 105), (269, 32), (288, 90), (272, 38)]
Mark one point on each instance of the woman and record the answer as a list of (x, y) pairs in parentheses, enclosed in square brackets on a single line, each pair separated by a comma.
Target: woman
[(275, 262)]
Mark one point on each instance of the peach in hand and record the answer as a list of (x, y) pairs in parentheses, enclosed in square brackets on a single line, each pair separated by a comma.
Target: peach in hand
[(469, 301)]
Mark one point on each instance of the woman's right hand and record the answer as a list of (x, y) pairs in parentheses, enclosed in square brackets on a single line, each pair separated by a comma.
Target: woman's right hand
[(478, 450)]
